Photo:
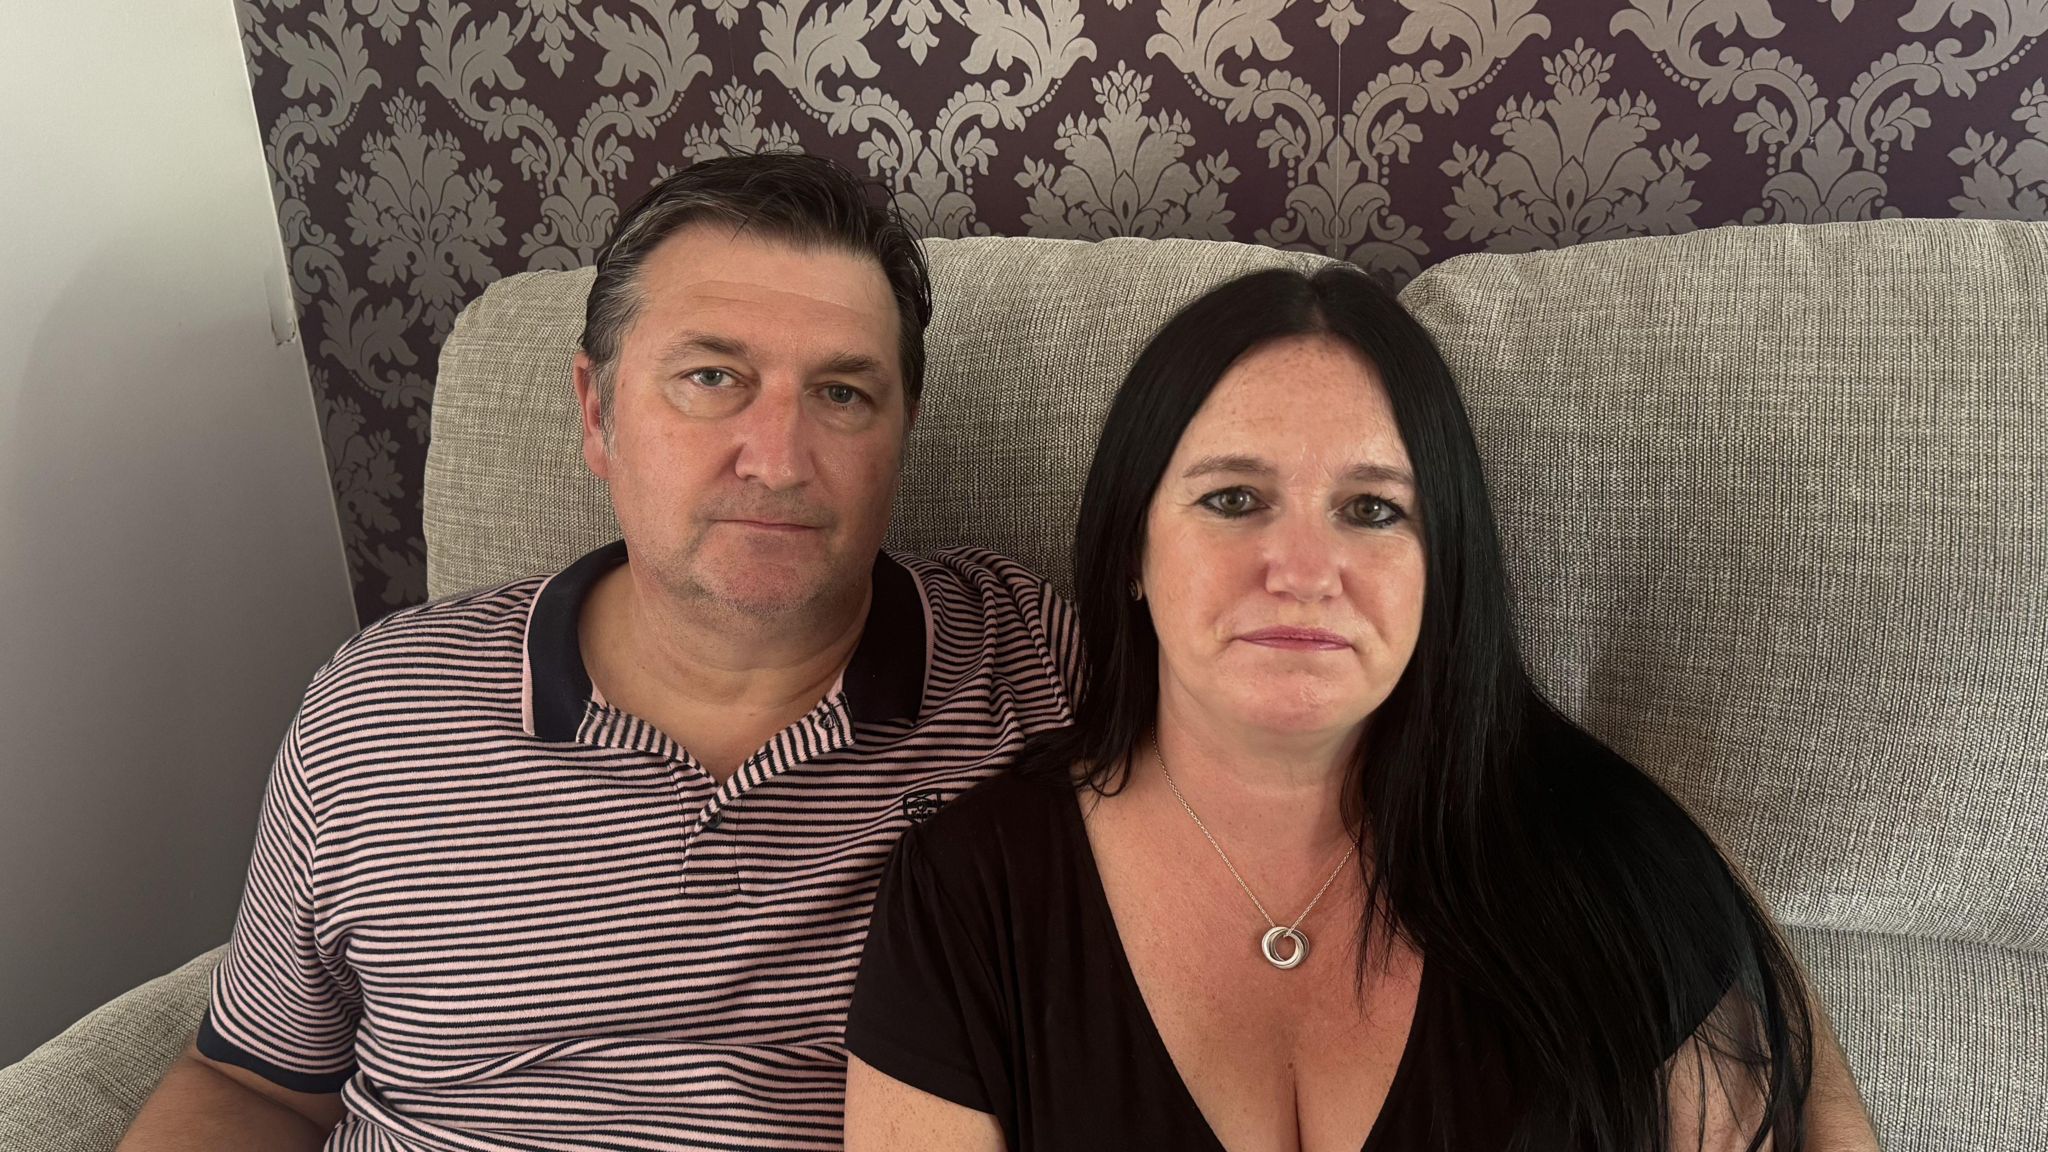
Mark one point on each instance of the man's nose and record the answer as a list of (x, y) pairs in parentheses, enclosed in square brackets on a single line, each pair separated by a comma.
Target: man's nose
[(1302, 558), (774, 439)]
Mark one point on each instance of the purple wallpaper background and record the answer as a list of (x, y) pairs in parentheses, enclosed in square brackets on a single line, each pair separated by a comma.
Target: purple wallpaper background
[(419, 149)]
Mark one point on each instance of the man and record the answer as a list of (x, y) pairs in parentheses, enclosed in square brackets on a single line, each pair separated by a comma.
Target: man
[(587, 861)]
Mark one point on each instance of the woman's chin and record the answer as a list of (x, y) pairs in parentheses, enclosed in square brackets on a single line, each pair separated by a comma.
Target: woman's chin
[(1289, 715)]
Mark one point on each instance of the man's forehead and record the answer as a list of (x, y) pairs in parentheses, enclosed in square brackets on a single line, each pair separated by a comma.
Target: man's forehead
[(709, 265)]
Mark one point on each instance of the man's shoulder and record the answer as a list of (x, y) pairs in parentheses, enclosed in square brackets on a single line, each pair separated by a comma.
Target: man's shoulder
[(973, 567), (466, 629), (1025, 791), (977, 589), (988, 611)]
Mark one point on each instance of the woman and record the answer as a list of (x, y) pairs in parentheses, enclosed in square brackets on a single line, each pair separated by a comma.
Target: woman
[(1315, 868)]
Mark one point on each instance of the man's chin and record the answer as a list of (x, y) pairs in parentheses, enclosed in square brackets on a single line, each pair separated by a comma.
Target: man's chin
[(756, 606), (767, 591)]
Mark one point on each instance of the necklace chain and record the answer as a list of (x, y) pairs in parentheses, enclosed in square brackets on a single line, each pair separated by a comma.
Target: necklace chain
[(1225, 856)]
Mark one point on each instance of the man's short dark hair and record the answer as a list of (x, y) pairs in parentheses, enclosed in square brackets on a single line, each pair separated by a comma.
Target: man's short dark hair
[(804, 200)]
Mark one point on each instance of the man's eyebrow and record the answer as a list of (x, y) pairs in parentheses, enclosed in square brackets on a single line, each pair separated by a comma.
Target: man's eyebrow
[(854, 364), (685, 344)]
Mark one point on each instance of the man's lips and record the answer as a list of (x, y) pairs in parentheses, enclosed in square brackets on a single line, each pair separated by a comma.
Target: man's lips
[(771, 525), (1298, 639)]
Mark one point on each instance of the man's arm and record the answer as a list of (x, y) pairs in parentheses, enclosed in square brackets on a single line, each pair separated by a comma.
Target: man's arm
[(205, 1106)]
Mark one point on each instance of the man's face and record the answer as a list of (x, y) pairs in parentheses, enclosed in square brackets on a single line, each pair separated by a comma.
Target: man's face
[(758, 415)]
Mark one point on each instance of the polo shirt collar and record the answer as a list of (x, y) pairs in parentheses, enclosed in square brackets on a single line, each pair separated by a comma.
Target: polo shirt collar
[(883, 682)]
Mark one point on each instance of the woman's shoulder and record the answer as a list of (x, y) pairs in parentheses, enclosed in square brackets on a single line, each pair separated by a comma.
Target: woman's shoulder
[(1651, 879), (1621, 818), (1633, 829)]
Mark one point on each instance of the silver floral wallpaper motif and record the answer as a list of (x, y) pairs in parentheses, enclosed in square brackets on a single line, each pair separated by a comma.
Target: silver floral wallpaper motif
[(422, 148)]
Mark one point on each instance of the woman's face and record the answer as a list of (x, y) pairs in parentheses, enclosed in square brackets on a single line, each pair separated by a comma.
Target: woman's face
[(1283, 565)]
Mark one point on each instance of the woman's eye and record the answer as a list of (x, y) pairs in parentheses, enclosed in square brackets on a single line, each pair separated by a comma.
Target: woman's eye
[(1232, 502), (1373, 512), (711, 377)]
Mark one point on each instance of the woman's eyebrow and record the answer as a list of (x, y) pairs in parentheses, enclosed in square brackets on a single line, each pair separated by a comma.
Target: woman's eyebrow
[(1253, 466), (1242, 465), (1381, 473)]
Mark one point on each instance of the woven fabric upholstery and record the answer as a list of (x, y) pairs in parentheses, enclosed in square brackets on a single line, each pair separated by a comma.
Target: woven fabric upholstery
[(1028, 340), (78, 1092), (1945, 1038), (1773, 503), (507, 494)]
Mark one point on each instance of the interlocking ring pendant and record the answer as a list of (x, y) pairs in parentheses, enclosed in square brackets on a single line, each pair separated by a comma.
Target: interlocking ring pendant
[(1270, 945)]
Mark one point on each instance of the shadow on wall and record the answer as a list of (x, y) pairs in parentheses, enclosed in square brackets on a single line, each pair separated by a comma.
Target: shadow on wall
[(173, 577)]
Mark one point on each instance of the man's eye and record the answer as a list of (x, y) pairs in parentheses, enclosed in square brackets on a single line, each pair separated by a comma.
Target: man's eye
[(711, 377), (1373, 512), (1231, 502), (842, 395)]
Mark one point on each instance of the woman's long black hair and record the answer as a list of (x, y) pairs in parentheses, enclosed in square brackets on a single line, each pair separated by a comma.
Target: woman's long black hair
[(1562, 890)]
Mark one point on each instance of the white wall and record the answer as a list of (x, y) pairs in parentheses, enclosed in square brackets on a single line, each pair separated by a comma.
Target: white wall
[(170, 568)]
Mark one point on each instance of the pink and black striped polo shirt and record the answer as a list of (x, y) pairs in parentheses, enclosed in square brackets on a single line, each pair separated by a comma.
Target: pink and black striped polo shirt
[(497, 913)]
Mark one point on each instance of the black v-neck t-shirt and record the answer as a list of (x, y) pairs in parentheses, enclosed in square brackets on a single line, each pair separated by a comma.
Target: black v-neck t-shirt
[(994, 977)]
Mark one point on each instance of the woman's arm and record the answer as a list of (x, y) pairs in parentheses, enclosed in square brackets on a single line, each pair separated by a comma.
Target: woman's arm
[(1717, 1103), (884, 1114), (1836, 1120)]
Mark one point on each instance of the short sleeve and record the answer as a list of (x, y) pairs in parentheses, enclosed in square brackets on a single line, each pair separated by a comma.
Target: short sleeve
[(283, 1008), (1700, 1014), (1710, 960), (925, 1009)]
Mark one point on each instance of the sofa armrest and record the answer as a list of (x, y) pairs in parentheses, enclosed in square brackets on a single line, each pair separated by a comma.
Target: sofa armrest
[(78, 1092)]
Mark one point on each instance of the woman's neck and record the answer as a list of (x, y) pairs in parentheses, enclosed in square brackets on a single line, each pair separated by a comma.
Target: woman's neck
[(1252, 786)]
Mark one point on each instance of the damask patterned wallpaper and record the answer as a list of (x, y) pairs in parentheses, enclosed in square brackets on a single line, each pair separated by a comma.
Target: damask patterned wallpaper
[(422, 148)]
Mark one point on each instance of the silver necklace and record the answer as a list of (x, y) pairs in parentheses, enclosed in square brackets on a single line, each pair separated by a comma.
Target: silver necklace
[(1276, 933)]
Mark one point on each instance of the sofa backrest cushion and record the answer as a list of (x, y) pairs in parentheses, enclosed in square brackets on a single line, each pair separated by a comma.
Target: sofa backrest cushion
[(1775, 502)]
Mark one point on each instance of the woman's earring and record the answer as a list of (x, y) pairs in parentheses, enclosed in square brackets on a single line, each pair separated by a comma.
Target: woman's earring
[(1137, 590)]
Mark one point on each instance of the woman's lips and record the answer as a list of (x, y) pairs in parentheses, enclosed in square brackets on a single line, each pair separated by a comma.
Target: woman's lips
[(1297, 639)]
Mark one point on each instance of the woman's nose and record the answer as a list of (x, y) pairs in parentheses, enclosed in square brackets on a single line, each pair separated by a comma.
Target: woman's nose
[(1302, 559)]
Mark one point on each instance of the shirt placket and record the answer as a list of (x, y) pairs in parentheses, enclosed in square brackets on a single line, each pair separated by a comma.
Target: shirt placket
[(714, 859)]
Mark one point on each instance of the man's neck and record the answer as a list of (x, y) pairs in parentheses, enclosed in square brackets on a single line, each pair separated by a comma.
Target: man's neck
[(719, 684)]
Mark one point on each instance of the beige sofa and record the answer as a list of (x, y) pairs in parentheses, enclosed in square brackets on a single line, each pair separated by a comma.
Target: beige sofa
[(1776, 505)]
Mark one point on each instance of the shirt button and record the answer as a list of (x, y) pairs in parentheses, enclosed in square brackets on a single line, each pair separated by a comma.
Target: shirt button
[(712, 821)]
